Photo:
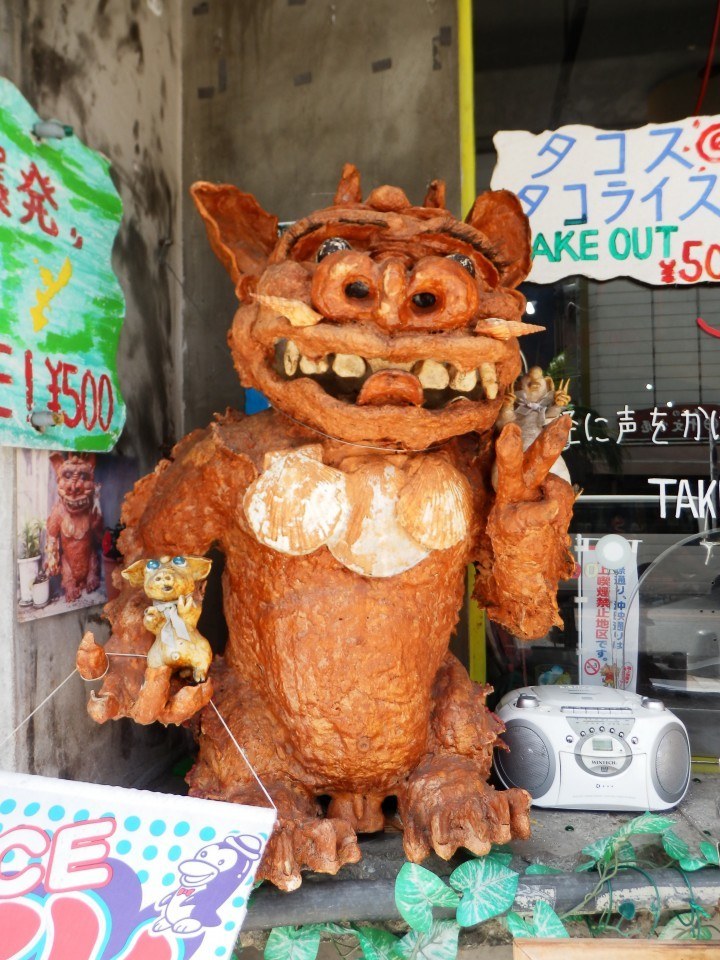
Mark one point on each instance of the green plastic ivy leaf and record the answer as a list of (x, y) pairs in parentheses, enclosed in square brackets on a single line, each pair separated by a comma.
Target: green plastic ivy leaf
[(335, 929), (518, 927), (417, 891), (488, 888), (440, 943), (645, 823), (293, 943), (540, 869), (682, 927), (710, 852), (546, 922), (691, 863), (500, 856), (674, 846), (377, 944), (596, 851), (625, 853), (627, 910)]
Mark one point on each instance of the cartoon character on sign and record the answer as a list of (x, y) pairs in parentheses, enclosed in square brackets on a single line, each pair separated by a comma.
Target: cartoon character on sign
[(206, 882), (75, 525)]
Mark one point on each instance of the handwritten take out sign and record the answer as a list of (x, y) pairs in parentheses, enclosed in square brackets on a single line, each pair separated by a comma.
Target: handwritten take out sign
[(61, 307), (89, 872), (639, 203)]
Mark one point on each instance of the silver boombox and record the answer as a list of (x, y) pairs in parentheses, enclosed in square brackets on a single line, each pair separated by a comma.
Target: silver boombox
[(593, 748)]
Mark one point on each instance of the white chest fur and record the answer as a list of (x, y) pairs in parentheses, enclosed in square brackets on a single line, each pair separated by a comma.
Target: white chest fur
[(377, 518)]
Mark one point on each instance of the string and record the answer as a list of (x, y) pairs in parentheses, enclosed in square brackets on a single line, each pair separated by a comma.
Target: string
[(144, 656), (212, 704), (38, 707), (242, 754)]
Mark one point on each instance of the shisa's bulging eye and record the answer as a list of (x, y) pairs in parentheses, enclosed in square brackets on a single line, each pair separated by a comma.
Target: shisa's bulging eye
[(332, 245), (464, 261), (179, 561), (153, 564)]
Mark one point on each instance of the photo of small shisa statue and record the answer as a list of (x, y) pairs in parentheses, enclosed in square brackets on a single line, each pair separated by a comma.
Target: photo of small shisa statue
[(64, 501)]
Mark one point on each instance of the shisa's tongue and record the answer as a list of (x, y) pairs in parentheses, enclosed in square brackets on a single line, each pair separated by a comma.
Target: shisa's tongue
[(395, 387)]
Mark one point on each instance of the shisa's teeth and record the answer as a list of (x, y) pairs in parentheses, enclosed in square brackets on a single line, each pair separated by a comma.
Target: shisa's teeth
[(348, 365), (291, 358), (376, 363), (310, 367), (488, 378), (432, 375), (464, 381)]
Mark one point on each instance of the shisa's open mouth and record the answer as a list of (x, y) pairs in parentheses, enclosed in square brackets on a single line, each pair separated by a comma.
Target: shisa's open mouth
[(363, 366), (430, 383), (78, 503)]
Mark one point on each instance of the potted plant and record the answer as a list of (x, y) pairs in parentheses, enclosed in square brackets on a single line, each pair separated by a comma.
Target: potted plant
[(29, 559), (41, 589)]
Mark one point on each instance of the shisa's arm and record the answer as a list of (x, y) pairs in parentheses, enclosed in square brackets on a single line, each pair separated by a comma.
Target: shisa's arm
[(525, 551), (182, 508)]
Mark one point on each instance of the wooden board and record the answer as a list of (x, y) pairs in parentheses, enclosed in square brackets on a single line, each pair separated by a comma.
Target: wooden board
[(580, 949)]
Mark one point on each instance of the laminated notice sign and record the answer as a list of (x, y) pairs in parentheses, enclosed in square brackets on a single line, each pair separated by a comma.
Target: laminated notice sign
[(61, 307), (641, 203), (89, 872), (609, 625)]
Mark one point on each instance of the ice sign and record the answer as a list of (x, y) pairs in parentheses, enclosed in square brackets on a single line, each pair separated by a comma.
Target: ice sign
[(61, 307), (639, 203)]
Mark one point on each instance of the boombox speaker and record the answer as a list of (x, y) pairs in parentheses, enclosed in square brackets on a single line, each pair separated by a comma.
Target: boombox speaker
[(590, 748)]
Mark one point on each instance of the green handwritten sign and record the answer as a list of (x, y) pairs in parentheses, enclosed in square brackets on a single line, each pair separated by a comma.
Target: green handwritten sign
[(61, 307)]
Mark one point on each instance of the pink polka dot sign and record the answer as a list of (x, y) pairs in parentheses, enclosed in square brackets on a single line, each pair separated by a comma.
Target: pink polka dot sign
[(89, 872)]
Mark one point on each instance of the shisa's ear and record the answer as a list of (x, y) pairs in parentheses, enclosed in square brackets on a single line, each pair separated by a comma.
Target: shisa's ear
[(240, 232), (57, 460), (348, 189), (499, 215)]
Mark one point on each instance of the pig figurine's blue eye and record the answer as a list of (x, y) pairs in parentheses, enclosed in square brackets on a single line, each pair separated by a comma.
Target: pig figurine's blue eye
[(152, 564), (179, 561)]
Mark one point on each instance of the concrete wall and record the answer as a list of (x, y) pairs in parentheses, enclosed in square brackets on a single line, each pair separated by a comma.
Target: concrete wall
[(112, 71), (273, 95), (279, 94)]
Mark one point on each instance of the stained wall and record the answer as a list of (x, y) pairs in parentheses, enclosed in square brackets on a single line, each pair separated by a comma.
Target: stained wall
[(111, 71), (272, 95)]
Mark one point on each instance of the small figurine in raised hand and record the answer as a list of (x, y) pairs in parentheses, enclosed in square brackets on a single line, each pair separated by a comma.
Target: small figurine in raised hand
[(179, 647), (173, 616)]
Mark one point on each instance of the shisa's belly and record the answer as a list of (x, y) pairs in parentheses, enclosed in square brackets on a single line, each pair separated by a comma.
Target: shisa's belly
[(346, 662)]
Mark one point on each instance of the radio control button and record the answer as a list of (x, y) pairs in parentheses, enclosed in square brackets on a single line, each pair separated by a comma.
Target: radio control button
[(527, 701), (568, 739), (591, 729), (651, 703), (621, 735), (582, 733), (633, 740), (601, 729), (612, 730)]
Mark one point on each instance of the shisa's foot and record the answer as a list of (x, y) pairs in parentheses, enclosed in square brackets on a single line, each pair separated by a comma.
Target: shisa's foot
[(322, 845), (448, 805)]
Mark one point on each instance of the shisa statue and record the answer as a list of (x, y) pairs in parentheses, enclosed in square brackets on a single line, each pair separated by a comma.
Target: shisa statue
[(385, 337)]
